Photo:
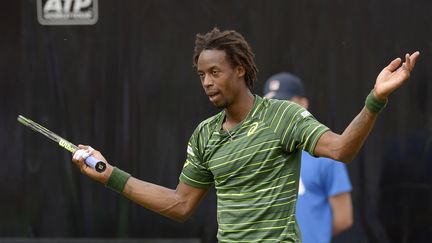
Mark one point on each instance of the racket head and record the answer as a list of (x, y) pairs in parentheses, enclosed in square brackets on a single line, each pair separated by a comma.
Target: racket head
[(23, 120), (98, 165)]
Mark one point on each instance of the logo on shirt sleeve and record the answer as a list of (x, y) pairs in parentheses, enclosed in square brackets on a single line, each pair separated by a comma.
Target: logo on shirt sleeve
[(305, 114), (190, 151)]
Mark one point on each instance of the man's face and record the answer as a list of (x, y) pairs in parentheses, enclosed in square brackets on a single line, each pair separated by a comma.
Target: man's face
[(220, 80)]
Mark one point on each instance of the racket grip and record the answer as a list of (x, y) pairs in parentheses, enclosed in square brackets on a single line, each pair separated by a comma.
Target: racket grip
[(96, 164)]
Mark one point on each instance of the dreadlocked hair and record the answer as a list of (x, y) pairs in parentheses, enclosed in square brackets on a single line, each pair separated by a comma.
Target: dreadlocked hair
[(235, 46)]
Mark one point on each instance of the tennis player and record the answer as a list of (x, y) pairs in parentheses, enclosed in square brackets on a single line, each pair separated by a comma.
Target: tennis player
[(250, 151)]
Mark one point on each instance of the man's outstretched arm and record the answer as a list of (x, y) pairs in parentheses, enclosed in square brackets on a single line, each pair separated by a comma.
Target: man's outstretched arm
[(176, 204), (344, 147)]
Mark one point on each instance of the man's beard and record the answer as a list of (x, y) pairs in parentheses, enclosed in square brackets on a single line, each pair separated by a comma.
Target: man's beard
[(224, 105)]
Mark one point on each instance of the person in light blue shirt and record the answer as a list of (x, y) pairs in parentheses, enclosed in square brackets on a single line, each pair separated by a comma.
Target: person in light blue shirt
[(324, 205)]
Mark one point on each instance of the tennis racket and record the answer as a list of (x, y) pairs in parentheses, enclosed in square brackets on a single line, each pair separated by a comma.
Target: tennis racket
[(91, 161)]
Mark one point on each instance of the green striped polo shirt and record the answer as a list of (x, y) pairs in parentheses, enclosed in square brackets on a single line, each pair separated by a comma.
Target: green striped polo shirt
[(255, 169)]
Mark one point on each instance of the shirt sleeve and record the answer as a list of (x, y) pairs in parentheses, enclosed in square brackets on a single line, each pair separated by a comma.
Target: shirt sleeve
[(335, 177), (195, 172), (300, 130)]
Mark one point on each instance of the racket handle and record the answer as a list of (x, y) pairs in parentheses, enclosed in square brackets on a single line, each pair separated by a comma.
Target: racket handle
[(96, 164)]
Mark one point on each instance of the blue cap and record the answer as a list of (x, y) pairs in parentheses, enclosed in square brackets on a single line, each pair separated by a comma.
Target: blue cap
[(283, 86)]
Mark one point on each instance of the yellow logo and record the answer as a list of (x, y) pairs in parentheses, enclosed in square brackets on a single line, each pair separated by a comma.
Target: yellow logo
[(253, 128), (186, 163), (67, 145)]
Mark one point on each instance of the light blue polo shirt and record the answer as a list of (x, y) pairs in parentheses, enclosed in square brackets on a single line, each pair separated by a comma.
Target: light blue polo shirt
[(320, 179)]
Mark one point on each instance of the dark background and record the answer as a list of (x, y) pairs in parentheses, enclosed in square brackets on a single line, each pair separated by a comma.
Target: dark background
[(126, 86)]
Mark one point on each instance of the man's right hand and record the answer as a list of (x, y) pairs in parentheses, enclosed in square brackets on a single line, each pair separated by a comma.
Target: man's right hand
[(79, 160)]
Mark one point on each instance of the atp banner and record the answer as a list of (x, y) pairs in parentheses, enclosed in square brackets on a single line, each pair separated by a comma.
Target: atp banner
[(67, 12)]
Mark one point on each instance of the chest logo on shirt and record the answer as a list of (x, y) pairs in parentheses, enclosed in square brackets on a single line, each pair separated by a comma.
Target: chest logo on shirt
[(186, 163), (253, 128), (302, 188)]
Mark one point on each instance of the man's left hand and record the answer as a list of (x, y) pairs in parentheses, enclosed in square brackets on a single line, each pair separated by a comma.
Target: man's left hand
[(394, 75)]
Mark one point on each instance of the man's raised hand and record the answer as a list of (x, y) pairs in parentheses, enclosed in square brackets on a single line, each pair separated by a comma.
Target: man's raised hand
[(394, 75)]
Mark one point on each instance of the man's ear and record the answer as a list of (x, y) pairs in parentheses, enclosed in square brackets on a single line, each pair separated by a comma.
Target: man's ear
[(241, 71), (303, 101)]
